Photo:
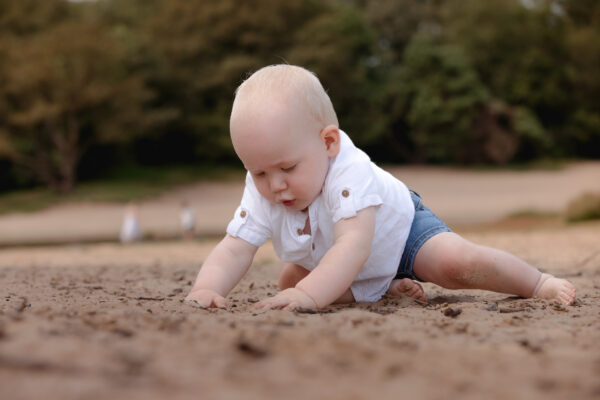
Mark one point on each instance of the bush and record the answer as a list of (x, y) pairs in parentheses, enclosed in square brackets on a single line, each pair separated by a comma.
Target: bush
[(584, 207)]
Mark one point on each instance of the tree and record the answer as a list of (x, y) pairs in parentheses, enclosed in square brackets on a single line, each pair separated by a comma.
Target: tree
[(449, 113), (521, 55), (583, 126), (394, 23), (338, 46), (440, 95), (199, 52), (19, 18), (74, 95)]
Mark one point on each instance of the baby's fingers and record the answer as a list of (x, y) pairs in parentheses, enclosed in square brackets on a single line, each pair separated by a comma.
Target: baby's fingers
[(196, 303), (260, 304), (207, 302), (292, 307), (264, 305), (272, 303)]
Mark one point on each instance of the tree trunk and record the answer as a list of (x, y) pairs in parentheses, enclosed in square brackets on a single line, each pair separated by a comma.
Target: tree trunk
[(66, 143)]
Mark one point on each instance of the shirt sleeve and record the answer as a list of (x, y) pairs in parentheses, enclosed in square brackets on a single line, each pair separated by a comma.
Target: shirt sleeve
[(251, 221), (351, 188)]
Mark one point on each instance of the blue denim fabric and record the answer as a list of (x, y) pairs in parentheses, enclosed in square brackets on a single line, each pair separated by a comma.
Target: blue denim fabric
[(425, 225)]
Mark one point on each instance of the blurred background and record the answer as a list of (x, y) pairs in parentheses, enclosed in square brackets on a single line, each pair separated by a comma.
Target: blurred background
[(118, 99), (93, 86)]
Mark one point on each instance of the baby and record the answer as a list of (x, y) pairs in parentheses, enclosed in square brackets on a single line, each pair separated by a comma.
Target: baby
[(347, 230)]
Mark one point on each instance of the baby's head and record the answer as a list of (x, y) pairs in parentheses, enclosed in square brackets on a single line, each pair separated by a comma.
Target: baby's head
[(287, 82), (284, 129)]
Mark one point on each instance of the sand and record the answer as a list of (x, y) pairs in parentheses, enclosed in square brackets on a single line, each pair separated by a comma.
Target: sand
[(108, 321)]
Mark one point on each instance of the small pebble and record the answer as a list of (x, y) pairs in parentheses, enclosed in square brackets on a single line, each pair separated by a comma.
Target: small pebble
[(452, 312), (251, 349)]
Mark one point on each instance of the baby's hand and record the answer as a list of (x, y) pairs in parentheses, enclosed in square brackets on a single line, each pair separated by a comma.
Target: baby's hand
[(206, 298), (289, 299)]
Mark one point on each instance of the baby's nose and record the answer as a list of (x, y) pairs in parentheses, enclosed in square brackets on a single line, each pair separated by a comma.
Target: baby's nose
[(277, 184)]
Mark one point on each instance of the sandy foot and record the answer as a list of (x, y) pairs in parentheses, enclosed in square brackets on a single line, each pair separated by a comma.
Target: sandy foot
[(552, 288), (407, 287)]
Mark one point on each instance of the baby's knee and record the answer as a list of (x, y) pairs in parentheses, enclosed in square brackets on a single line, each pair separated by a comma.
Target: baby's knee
[(290, 275), (458, 264)]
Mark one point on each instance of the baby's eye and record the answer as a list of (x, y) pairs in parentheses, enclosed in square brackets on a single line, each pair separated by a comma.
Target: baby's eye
[(259, 174), (288, 169)]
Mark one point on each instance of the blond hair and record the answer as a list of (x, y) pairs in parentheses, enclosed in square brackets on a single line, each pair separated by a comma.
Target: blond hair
[(291, 83)]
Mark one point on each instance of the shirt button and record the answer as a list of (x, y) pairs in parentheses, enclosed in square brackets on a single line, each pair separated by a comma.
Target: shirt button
[(243, 214), (299, 232), (345, 193)]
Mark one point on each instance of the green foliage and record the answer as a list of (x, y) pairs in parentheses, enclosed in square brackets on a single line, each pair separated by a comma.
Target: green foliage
[(395, 23), (337, 46), (582, 129), (199, 52), (152, 81), (526, 57), (72, 96), (441, 96)]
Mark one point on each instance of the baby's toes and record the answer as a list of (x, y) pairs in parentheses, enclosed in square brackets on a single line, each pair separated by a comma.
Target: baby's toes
[(567, 294), (413, 290), (556, 289), (407, 287), (404, 285), (419, 294), (400, 286), (566, 300)]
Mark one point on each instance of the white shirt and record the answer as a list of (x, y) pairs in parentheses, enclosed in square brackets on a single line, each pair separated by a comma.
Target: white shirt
[(353, 183)]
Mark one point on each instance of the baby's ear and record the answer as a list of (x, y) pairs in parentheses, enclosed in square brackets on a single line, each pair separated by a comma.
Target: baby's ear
[(330, 135)]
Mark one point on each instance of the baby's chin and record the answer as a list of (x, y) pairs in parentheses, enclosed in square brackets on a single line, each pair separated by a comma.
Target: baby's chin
[(302, 205), (295, 205)]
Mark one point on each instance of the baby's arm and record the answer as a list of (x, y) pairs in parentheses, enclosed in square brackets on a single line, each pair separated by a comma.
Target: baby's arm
[(338, 268), (221, 271)]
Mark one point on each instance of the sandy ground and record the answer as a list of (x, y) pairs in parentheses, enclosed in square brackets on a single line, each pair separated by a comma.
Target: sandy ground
[(107, 321), (460, 197)]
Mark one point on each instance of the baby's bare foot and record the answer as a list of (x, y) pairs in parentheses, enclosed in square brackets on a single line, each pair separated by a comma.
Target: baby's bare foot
[(552, 288), (407, 287)]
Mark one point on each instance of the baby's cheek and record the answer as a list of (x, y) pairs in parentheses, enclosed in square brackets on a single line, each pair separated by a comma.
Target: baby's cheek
[(301, 187), (263, 190)]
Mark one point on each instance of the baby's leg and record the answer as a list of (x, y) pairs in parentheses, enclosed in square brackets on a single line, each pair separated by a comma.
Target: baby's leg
[(291, 274), (453, 262)]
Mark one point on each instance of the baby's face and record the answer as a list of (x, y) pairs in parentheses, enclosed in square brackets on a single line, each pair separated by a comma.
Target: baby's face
[(282, 148)]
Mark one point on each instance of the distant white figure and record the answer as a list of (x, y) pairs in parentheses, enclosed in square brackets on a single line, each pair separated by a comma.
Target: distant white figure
[(130, 230), (187, 220)]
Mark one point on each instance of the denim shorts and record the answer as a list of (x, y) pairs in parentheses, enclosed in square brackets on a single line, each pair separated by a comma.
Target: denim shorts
[(425, 226)]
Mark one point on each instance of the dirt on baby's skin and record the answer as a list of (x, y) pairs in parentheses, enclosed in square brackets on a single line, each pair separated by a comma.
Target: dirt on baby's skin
[(110, 322)]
